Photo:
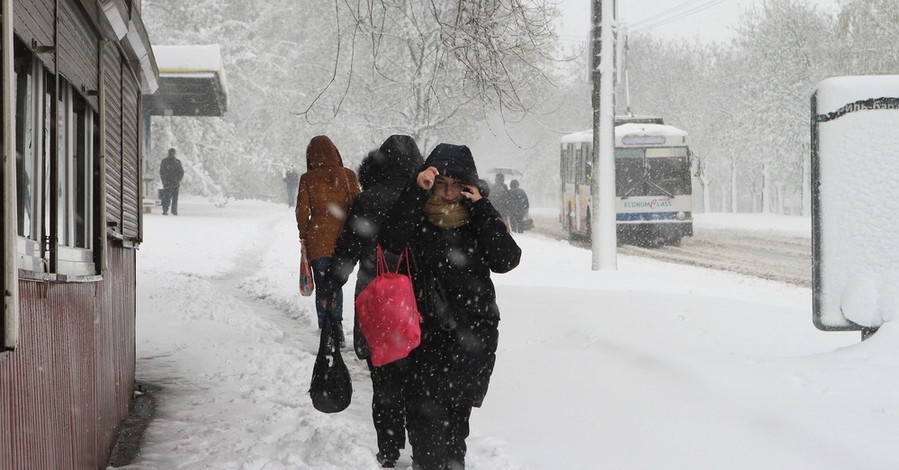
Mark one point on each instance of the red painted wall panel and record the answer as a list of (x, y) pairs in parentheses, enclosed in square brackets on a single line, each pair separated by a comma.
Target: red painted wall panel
[(65, 391)]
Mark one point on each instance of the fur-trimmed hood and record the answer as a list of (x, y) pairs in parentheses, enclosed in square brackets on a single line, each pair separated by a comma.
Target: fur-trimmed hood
[(397, 158)]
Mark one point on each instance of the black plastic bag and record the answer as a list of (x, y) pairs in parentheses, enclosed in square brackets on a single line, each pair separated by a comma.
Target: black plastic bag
[(331, 389)]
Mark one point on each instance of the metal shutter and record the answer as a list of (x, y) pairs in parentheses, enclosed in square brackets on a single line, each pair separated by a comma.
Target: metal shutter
[(112, 83), (79, 49), (131, 203)]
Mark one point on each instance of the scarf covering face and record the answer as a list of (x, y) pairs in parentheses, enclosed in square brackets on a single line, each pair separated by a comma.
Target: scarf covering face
[(445, 215)]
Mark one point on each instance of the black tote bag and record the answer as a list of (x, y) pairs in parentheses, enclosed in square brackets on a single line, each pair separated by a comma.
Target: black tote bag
[(331, 389)]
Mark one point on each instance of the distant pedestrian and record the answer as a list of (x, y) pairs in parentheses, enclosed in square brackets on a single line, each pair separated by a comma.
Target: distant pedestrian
[(326, 192), (517, 202), (291, 183), (383, 174), (170, 172), (499, 196)]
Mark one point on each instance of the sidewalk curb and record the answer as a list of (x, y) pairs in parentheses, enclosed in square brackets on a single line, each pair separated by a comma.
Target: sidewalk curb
[(141, 412)]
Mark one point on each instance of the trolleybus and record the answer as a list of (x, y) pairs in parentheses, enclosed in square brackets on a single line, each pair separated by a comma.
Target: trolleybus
[(653, 183)]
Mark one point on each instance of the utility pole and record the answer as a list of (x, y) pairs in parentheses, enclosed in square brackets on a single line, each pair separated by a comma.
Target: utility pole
[(603, 231)]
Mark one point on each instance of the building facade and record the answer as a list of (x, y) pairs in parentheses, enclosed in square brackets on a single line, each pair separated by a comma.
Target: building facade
[(72, 73)]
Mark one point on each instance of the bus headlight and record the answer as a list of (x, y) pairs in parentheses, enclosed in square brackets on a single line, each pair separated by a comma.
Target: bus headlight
[(681, 216)]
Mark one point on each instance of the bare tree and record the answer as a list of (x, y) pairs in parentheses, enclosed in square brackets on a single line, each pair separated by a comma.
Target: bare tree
[(433, 68)]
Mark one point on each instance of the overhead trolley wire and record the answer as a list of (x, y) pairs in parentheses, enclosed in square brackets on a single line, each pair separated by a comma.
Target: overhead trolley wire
[(673, 9), (677, 16)]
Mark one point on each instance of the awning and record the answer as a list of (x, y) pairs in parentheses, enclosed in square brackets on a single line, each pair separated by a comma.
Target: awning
[(191, 82)]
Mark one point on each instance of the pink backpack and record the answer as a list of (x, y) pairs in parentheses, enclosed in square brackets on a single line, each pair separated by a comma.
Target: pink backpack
[(388, 314)]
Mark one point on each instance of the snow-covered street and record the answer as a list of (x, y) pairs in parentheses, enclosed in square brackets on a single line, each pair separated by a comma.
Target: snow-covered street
[(652, 366)]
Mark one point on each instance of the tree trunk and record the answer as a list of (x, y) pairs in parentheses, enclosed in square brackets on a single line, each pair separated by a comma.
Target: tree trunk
[(706, 197), (733, 185)]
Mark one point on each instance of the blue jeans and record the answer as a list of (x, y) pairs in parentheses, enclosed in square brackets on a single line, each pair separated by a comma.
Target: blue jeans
[(319, 269)]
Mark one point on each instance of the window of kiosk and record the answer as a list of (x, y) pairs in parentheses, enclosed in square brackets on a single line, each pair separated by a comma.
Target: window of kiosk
[(72, 186)]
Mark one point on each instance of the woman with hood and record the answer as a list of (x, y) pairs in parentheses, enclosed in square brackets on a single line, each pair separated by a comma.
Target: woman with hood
[(383, 174), (326, 191), (457, 238)]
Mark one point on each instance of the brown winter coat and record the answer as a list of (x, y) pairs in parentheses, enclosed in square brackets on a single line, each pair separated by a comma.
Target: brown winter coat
[(326, 192)]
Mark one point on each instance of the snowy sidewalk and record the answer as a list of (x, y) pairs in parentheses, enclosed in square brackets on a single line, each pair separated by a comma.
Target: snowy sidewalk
[(655, 366), (233, 360)]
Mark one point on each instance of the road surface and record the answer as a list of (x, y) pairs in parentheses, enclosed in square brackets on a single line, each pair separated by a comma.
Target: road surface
[(769, 256)]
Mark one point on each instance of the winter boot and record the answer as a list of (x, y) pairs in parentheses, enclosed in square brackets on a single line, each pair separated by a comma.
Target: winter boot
[(386, 462)]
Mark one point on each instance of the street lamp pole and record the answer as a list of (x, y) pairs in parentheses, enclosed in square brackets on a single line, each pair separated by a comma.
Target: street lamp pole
[(603, 213)]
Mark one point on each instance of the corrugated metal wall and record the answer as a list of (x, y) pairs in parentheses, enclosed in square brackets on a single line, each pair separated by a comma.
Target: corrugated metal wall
[(66, 389)]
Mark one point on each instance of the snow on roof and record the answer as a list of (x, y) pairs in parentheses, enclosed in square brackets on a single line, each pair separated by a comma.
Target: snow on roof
[(188, 58), (836, 92), (582, 136), (648, 129), (627, 129)]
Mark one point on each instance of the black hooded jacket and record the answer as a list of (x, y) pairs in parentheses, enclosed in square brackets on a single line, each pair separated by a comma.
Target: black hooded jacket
[(382, 175), (452, 266)]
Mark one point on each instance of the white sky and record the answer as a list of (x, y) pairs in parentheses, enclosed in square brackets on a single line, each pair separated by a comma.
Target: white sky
[(713, 20)]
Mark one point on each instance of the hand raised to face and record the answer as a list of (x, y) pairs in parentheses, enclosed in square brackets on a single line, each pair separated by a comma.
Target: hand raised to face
[(427, 177), (471, 192)]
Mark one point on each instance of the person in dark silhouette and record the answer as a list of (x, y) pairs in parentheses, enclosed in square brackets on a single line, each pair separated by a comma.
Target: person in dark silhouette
[(170, 172), (291, 184), (499, 196), (517, 203)]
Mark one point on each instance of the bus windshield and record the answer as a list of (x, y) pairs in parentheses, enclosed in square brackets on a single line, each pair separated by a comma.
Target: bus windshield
[(661, 171)]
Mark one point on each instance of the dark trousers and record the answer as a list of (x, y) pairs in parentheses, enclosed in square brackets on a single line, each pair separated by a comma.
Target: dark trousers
[(169, 198), (516, 224), (319, 270), (450, 375), (437, 432), (388, 406)]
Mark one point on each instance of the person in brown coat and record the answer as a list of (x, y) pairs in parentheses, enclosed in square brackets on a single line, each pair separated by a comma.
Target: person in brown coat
[(326, 191)]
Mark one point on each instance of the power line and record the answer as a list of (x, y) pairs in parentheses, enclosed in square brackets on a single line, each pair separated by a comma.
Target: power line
[(663, 13), (684, 14)]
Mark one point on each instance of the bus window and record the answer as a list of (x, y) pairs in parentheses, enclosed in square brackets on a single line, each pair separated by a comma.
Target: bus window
[(579, 166), (669, 170), (588, 163), (629, 153), (666, 152), (629, 174)]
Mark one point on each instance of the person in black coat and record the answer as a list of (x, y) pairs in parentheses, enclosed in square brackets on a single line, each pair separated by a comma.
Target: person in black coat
[(382, 174), (170, 172), (457, 238), (518, 206)]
